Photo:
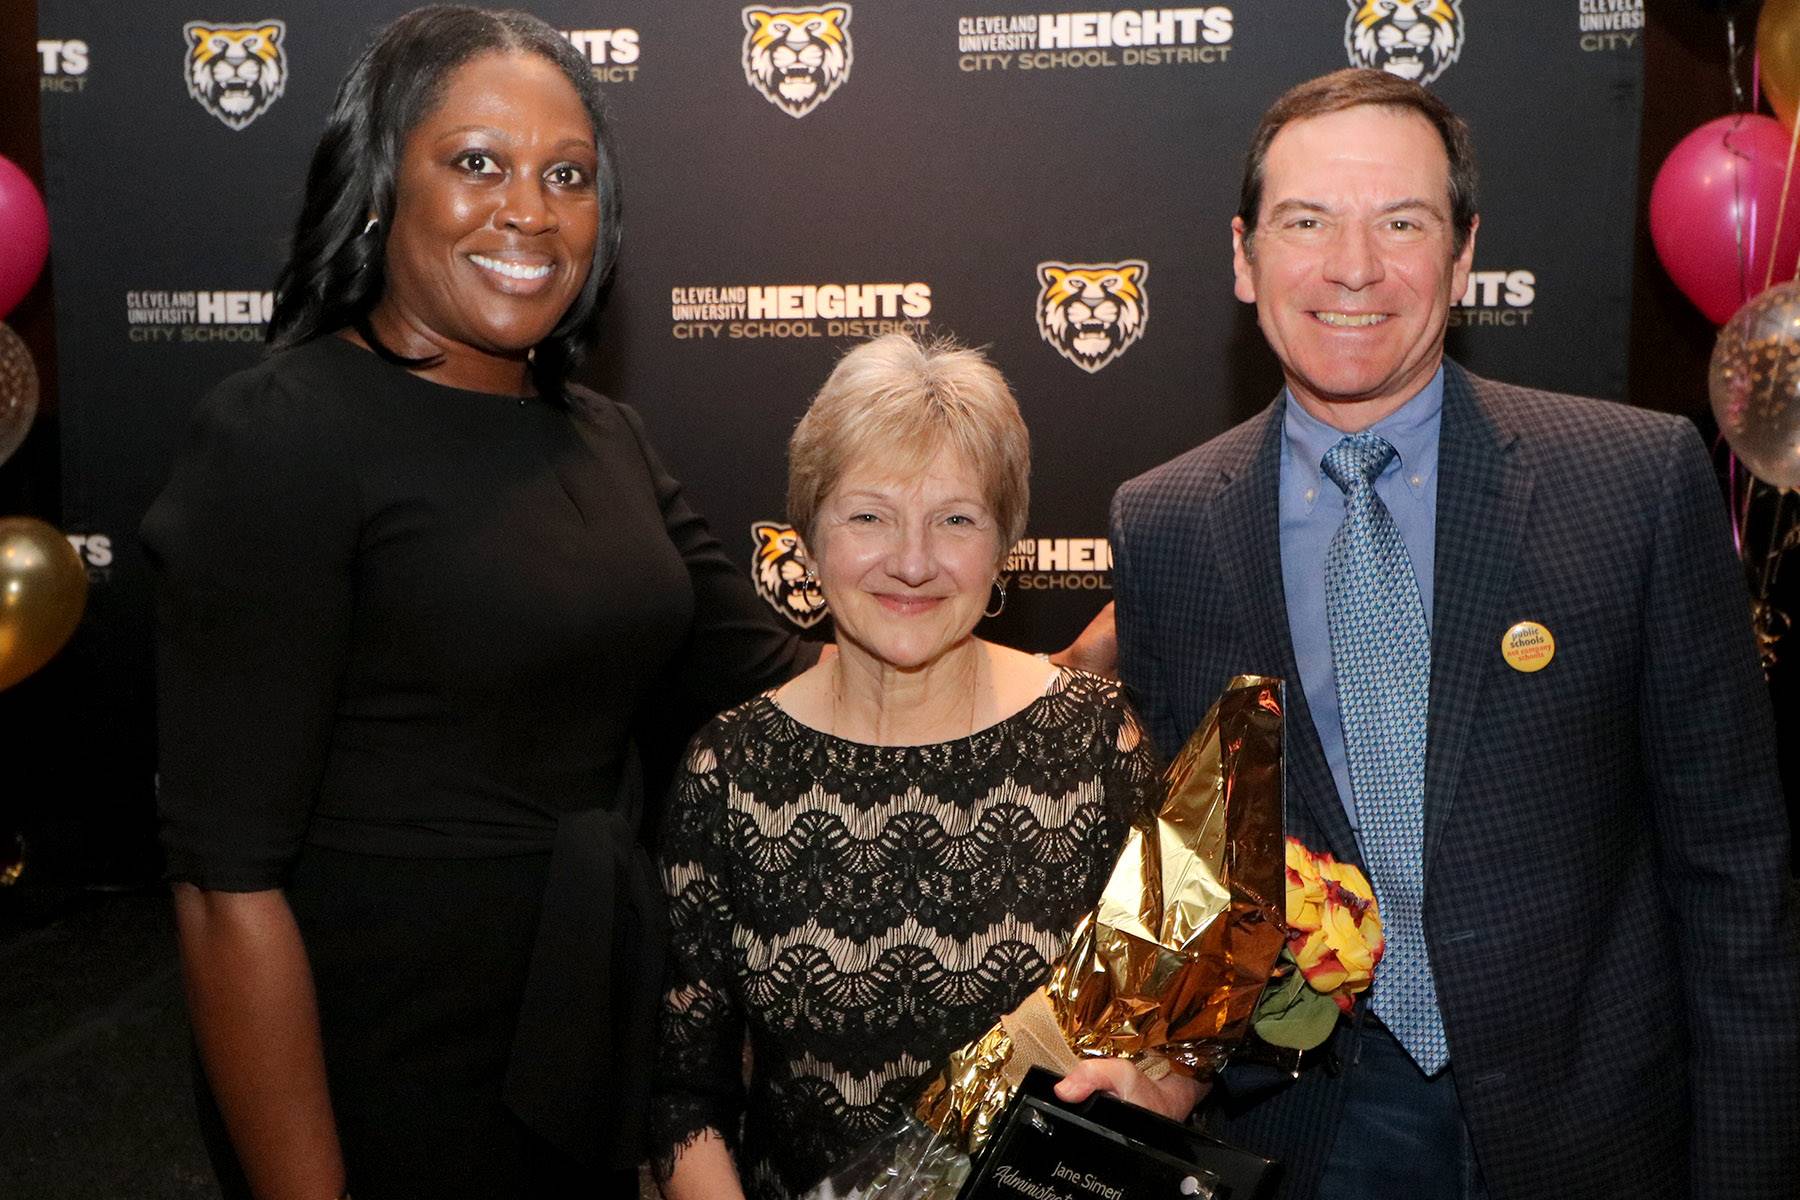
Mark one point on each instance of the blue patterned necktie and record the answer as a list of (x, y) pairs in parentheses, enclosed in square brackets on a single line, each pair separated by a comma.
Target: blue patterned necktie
[(1381, 655)]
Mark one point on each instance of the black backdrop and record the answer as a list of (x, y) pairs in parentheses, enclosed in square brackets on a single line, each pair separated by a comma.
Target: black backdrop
[(944, 165)]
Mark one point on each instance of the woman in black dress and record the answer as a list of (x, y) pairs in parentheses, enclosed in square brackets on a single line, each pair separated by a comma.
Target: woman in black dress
[(871, 864), (413, 591)]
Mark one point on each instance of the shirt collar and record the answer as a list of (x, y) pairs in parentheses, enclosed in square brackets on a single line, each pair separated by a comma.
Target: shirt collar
[(1411, 429)]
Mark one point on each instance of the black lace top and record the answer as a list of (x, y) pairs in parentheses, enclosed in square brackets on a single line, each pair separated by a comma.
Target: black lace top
[(861, 911)]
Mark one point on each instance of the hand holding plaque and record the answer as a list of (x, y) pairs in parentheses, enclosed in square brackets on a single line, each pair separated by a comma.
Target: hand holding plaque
[(1167, 971)]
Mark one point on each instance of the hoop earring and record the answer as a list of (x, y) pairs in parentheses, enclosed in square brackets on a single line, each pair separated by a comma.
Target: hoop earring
[(370, 227), (998, 605)]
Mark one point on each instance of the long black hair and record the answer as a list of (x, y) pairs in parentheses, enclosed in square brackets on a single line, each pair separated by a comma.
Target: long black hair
[(335, 272)]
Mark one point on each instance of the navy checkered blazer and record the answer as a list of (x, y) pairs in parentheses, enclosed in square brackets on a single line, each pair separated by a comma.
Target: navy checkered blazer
[(1608, 904)]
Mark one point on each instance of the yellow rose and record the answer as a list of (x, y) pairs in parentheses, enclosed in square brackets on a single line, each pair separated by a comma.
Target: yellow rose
[(1319, 962), (1346, 876), (1335, 931), (1305, 889)]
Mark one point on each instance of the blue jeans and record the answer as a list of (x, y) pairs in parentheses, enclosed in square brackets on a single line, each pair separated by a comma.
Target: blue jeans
[(1402, 1135)]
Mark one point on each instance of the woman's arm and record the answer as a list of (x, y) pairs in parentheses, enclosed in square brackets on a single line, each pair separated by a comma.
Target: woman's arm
[(1096, 648), (250, 998), (703, 1171), (736, 647), (699, 1083), (254, 544)]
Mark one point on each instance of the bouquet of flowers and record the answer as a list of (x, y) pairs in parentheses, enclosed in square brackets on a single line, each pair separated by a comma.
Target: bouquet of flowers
[(1334, 941), (1174, 965)]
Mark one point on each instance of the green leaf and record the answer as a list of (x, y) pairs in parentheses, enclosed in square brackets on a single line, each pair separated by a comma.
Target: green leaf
[(1299, 1022), (1281, 993)]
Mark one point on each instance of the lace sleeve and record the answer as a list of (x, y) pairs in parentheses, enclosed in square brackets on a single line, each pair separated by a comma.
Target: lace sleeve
[(1131, 768), (700, 1077)]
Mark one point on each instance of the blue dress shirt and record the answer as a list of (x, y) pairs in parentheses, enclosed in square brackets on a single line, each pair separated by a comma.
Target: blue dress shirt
[(1312, 508)]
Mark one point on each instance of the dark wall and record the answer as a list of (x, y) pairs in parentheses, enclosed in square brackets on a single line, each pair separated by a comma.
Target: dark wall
[(1005, 169)]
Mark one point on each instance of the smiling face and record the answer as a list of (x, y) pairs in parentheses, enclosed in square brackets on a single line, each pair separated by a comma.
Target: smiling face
[(906, 564), (1353, 265), (496, 216)]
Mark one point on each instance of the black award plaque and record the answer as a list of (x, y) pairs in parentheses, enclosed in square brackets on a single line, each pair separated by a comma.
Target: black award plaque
[(1105, 1149)]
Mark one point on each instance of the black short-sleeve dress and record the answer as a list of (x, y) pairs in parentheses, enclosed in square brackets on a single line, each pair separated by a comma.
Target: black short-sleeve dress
[(404, 632)]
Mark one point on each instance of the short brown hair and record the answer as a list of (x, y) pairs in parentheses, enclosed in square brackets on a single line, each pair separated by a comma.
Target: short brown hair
[(903, 403), (1352, 88)]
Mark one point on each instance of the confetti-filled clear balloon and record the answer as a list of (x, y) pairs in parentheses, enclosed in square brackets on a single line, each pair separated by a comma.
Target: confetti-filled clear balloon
[(18, 392), (1755, 385)]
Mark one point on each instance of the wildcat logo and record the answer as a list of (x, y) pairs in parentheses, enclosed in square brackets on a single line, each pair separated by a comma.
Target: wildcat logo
[(781, 576), (797, 57), (236, 71), (1092, 312), (1414, 39)]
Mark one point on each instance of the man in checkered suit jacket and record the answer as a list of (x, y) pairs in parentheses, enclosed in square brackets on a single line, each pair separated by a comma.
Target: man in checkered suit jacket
[(1608, 910)]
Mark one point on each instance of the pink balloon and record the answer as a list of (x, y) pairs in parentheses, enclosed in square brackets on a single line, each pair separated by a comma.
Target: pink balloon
[(1713, 212), (24, 235)]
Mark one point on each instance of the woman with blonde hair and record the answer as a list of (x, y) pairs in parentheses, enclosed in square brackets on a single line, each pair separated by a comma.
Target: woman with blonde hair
[(871, 863)]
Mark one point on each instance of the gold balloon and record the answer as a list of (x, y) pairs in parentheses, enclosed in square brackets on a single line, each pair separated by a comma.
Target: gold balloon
[(1754, 385), (43, 587), (1778, 56)]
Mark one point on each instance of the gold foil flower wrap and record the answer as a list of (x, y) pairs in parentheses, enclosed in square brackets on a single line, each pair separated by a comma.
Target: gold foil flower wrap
[(1172, 960)]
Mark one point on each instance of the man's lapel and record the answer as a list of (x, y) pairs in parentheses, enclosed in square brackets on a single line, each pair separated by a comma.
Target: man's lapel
[(1247, 515), (1483, 493)]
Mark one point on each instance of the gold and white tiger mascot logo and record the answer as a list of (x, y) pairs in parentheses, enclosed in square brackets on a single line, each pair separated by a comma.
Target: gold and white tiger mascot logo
[(1092, 312), (1414, 39), (781, 577), (797, 57), (236, 71)]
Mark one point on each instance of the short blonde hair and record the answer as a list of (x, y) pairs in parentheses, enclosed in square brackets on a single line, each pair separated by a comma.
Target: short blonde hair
[(902, 404)]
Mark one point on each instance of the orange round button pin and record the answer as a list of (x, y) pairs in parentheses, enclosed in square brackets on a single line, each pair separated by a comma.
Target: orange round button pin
[(1528, 647)]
